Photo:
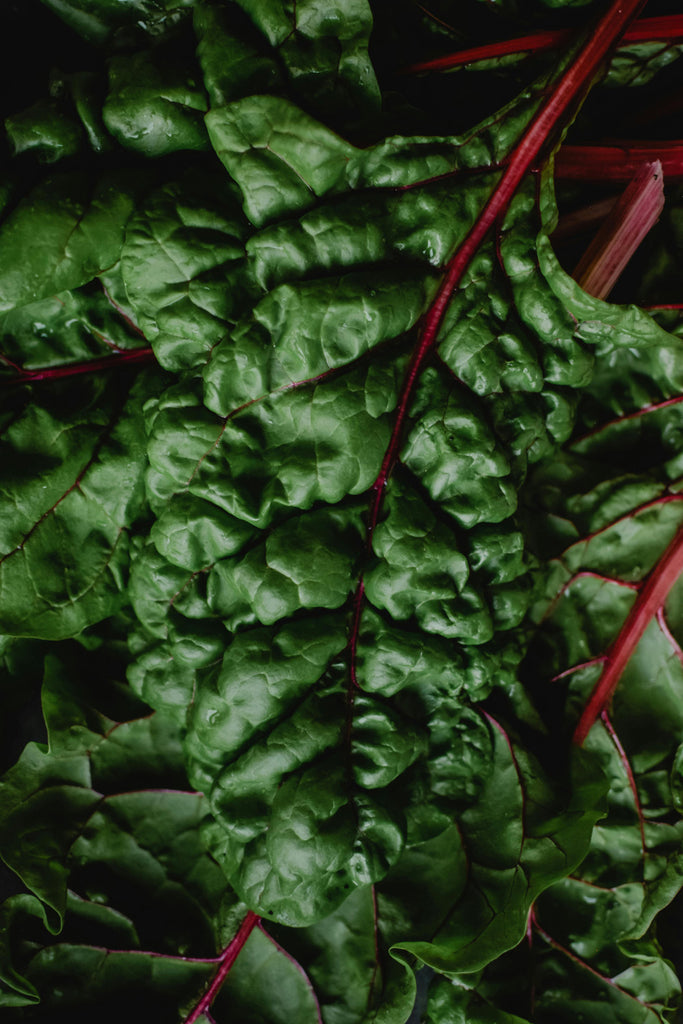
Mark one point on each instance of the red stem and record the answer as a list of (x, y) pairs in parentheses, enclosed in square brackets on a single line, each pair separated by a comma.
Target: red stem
[(571, 82), (618, 161), (128, 357), (230, 954), (623, 757), (650, 599), (631, 218), (667, 29)]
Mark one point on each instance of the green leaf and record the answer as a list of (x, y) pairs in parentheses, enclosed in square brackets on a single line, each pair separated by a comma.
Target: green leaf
[(80, 224), (86, 499), (152, 106)]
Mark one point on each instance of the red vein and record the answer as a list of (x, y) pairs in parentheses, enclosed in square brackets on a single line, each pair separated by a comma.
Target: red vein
[(125, 357), (584, 574), (571, 82), (227, 959), (650, 599), (664, 626), (631, 218), (577, 668), (121, 311), (144, 952), (665, 29), (295, 963), (666, 499), (623, 757), (645, 411), (582, 963), (97, 448), (618, 161)]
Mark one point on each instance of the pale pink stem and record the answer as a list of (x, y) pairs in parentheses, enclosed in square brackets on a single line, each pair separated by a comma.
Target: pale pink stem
[(624, 228)]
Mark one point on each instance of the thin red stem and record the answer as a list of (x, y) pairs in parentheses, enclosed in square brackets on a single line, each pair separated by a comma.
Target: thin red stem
[(638, 414), (665, 29), (126, 357), (581, 963), (230, 954), (623, 757), (650, 599)]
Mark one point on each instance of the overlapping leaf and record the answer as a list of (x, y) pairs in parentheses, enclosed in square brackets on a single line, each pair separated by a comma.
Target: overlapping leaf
[(136, 910), (318, 724)]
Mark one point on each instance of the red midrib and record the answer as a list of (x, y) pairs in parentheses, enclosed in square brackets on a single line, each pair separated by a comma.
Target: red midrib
[(650, 599), (228, 958), (578, 76), (126, 357)]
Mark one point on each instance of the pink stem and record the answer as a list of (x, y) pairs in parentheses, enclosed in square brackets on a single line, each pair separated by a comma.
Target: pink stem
[(622, 231), (667, 29), (650, 599), (230, 954)]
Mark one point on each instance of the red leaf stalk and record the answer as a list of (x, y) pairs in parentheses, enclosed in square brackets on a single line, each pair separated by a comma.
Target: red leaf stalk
[(230, 954), (561, 96), (650, 599), (622, 231), (618, 161), (667, 29)]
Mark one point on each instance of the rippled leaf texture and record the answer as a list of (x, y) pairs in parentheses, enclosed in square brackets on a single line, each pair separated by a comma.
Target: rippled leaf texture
[(317, 726), (72, 491), (80, 223), (612, 509), (155, 103), (126, 911)]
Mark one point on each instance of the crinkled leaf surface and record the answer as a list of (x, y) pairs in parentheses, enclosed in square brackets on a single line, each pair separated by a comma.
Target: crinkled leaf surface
[(319, 658), (260, 541)]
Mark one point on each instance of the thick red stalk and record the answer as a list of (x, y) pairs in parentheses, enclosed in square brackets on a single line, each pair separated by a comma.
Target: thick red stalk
[(561, 96), (650, 599), (666, 29), (228, 958), (618, 161)]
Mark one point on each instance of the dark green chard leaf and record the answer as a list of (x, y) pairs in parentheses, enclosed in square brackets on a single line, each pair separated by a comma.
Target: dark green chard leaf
[(65, 533), (155, 104), (304, 410), (137, 909), (335, 585), (101, 20)]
